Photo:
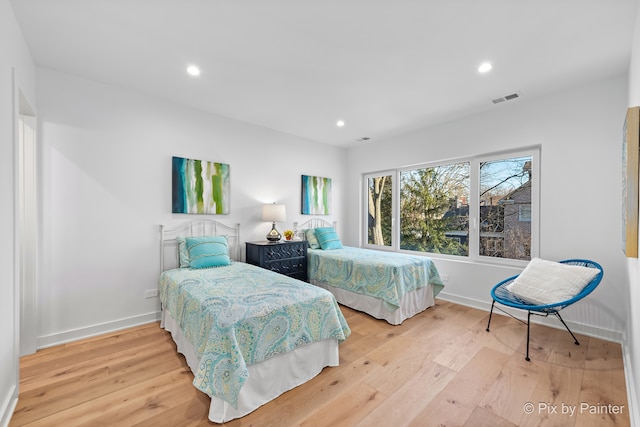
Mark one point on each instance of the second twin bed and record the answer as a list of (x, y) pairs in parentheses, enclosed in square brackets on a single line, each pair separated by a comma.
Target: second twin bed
[(385, 285)]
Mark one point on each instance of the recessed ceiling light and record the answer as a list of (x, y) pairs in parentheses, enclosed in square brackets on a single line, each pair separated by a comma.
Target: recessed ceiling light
[(193, 70), (340, 123), (484, 67)]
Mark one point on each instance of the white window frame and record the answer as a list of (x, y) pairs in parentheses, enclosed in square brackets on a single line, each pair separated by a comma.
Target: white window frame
[(394, 210), (474, 205), (534, 153)]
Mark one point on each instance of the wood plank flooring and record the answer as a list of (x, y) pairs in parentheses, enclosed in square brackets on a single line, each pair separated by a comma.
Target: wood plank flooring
[(440, 368)]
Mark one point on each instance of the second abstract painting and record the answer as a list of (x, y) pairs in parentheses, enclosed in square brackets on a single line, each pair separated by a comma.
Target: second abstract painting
[(316, 195)]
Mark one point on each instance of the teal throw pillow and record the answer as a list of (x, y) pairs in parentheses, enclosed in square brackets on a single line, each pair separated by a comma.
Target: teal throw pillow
[(311, 238), (328, 238), (208, 251)]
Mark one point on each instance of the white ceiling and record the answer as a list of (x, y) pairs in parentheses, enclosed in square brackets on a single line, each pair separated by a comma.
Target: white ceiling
[(297, 66)]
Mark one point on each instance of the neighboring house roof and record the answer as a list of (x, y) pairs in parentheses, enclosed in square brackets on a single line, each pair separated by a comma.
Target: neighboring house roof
[(524, 188)]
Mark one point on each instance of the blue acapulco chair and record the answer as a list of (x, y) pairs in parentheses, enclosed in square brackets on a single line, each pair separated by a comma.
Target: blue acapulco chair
[(502, 295)]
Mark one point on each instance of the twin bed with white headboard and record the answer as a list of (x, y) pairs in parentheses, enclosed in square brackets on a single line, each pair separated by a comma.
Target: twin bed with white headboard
[(385, 285), (245, 331)]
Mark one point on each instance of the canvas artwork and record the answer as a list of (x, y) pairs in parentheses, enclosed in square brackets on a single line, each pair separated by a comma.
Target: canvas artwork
[(630, 158), (316, 195), (200, 187)]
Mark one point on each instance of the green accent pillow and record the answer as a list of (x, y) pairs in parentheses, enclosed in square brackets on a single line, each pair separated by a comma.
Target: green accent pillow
[(328, 238), (311, 238), (208, 251)]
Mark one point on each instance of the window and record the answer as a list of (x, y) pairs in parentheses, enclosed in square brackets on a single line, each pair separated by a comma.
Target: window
[(379, 209), (434, 209), (481, 208), (505, 193), (524, 214)]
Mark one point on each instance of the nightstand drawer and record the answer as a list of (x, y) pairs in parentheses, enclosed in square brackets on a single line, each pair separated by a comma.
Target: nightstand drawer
[(285, 257), (285, 251), (291, 267)]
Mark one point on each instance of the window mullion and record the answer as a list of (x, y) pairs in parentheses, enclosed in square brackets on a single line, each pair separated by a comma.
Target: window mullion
[(395, 220), (474, 209)]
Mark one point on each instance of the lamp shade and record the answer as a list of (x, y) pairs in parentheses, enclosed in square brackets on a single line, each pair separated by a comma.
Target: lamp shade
[(274, 213)]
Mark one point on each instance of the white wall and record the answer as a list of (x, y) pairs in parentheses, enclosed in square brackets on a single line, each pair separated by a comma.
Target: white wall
[(632, 338), (15, 60), (107, 185), (580, 133)]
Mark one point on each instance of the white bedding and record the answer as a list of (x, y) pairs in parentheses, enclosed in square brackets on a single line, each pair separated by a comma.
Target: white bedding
[(411, 303)]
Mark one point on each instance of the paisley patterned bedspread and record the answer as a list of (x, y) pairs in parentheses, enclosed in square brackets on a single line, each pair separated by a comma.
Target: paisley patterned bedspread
[(238, 315), (384, 275)]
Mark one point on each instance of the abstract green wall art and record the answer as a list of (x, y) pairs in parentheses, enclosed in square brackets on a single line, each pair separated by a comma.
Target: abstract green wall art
[(316, 195), (199, 186)]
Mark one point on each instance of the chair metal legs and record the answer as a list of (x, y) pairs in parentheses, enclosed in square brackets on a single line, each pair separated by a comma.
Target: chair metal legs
[(506, 312), (575, 340), (490, 313), (528, 334), (529, 313)]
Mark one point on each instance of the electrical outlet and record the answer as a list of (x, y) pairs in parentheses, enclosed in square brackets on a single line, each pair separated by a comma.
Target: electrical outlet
[(151, 293), (444, 277)]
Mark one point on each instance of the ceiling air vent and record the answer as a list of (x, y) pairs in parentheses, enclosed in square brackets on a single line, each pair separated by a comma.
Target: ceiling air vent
[(506, 98)]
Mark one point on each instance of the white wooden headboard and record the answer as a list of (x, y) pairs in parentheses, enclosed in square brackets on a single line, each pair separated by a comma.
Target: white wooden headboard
[(169, 254), (314, 222)]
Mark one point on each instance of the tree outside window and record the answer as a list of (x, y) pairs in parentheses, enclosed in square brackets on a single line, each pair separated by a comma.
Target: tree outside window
[(379, 210), (434, 209)]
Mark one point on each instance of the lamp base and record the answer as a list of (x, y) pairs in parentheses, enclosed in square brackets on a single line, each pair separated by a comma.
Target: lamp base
[(274, 235)]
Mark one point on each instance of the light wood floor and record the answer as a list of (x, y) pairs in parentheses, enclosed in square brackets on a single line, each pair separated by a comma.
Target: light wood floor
[(438, 368)]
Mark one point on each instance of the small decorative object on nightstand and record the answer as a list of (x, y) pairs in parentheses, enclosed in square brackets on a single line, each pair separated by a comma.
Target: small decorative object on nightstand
[(287, 257), (288, 234)]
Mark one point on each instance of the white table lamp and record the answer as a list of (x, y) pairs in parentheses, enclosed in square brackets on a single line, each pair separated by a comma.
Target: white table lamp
[(274, 213)]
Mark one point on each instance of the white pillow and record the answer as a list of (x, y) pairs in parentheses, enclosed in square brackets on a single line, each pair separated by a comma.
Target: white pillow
[(546, 282)]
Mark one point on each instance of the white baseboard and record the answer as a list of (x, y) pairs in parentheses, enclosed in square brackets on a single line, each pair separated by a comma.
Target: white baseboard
[(8, 406), (632, 394), (580, 328), (99, 329)]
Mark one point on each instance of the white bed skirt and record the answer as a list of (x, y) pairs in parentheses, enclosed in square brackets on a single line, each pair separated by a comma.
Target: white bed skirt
[(267, 380), (411, 304)]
